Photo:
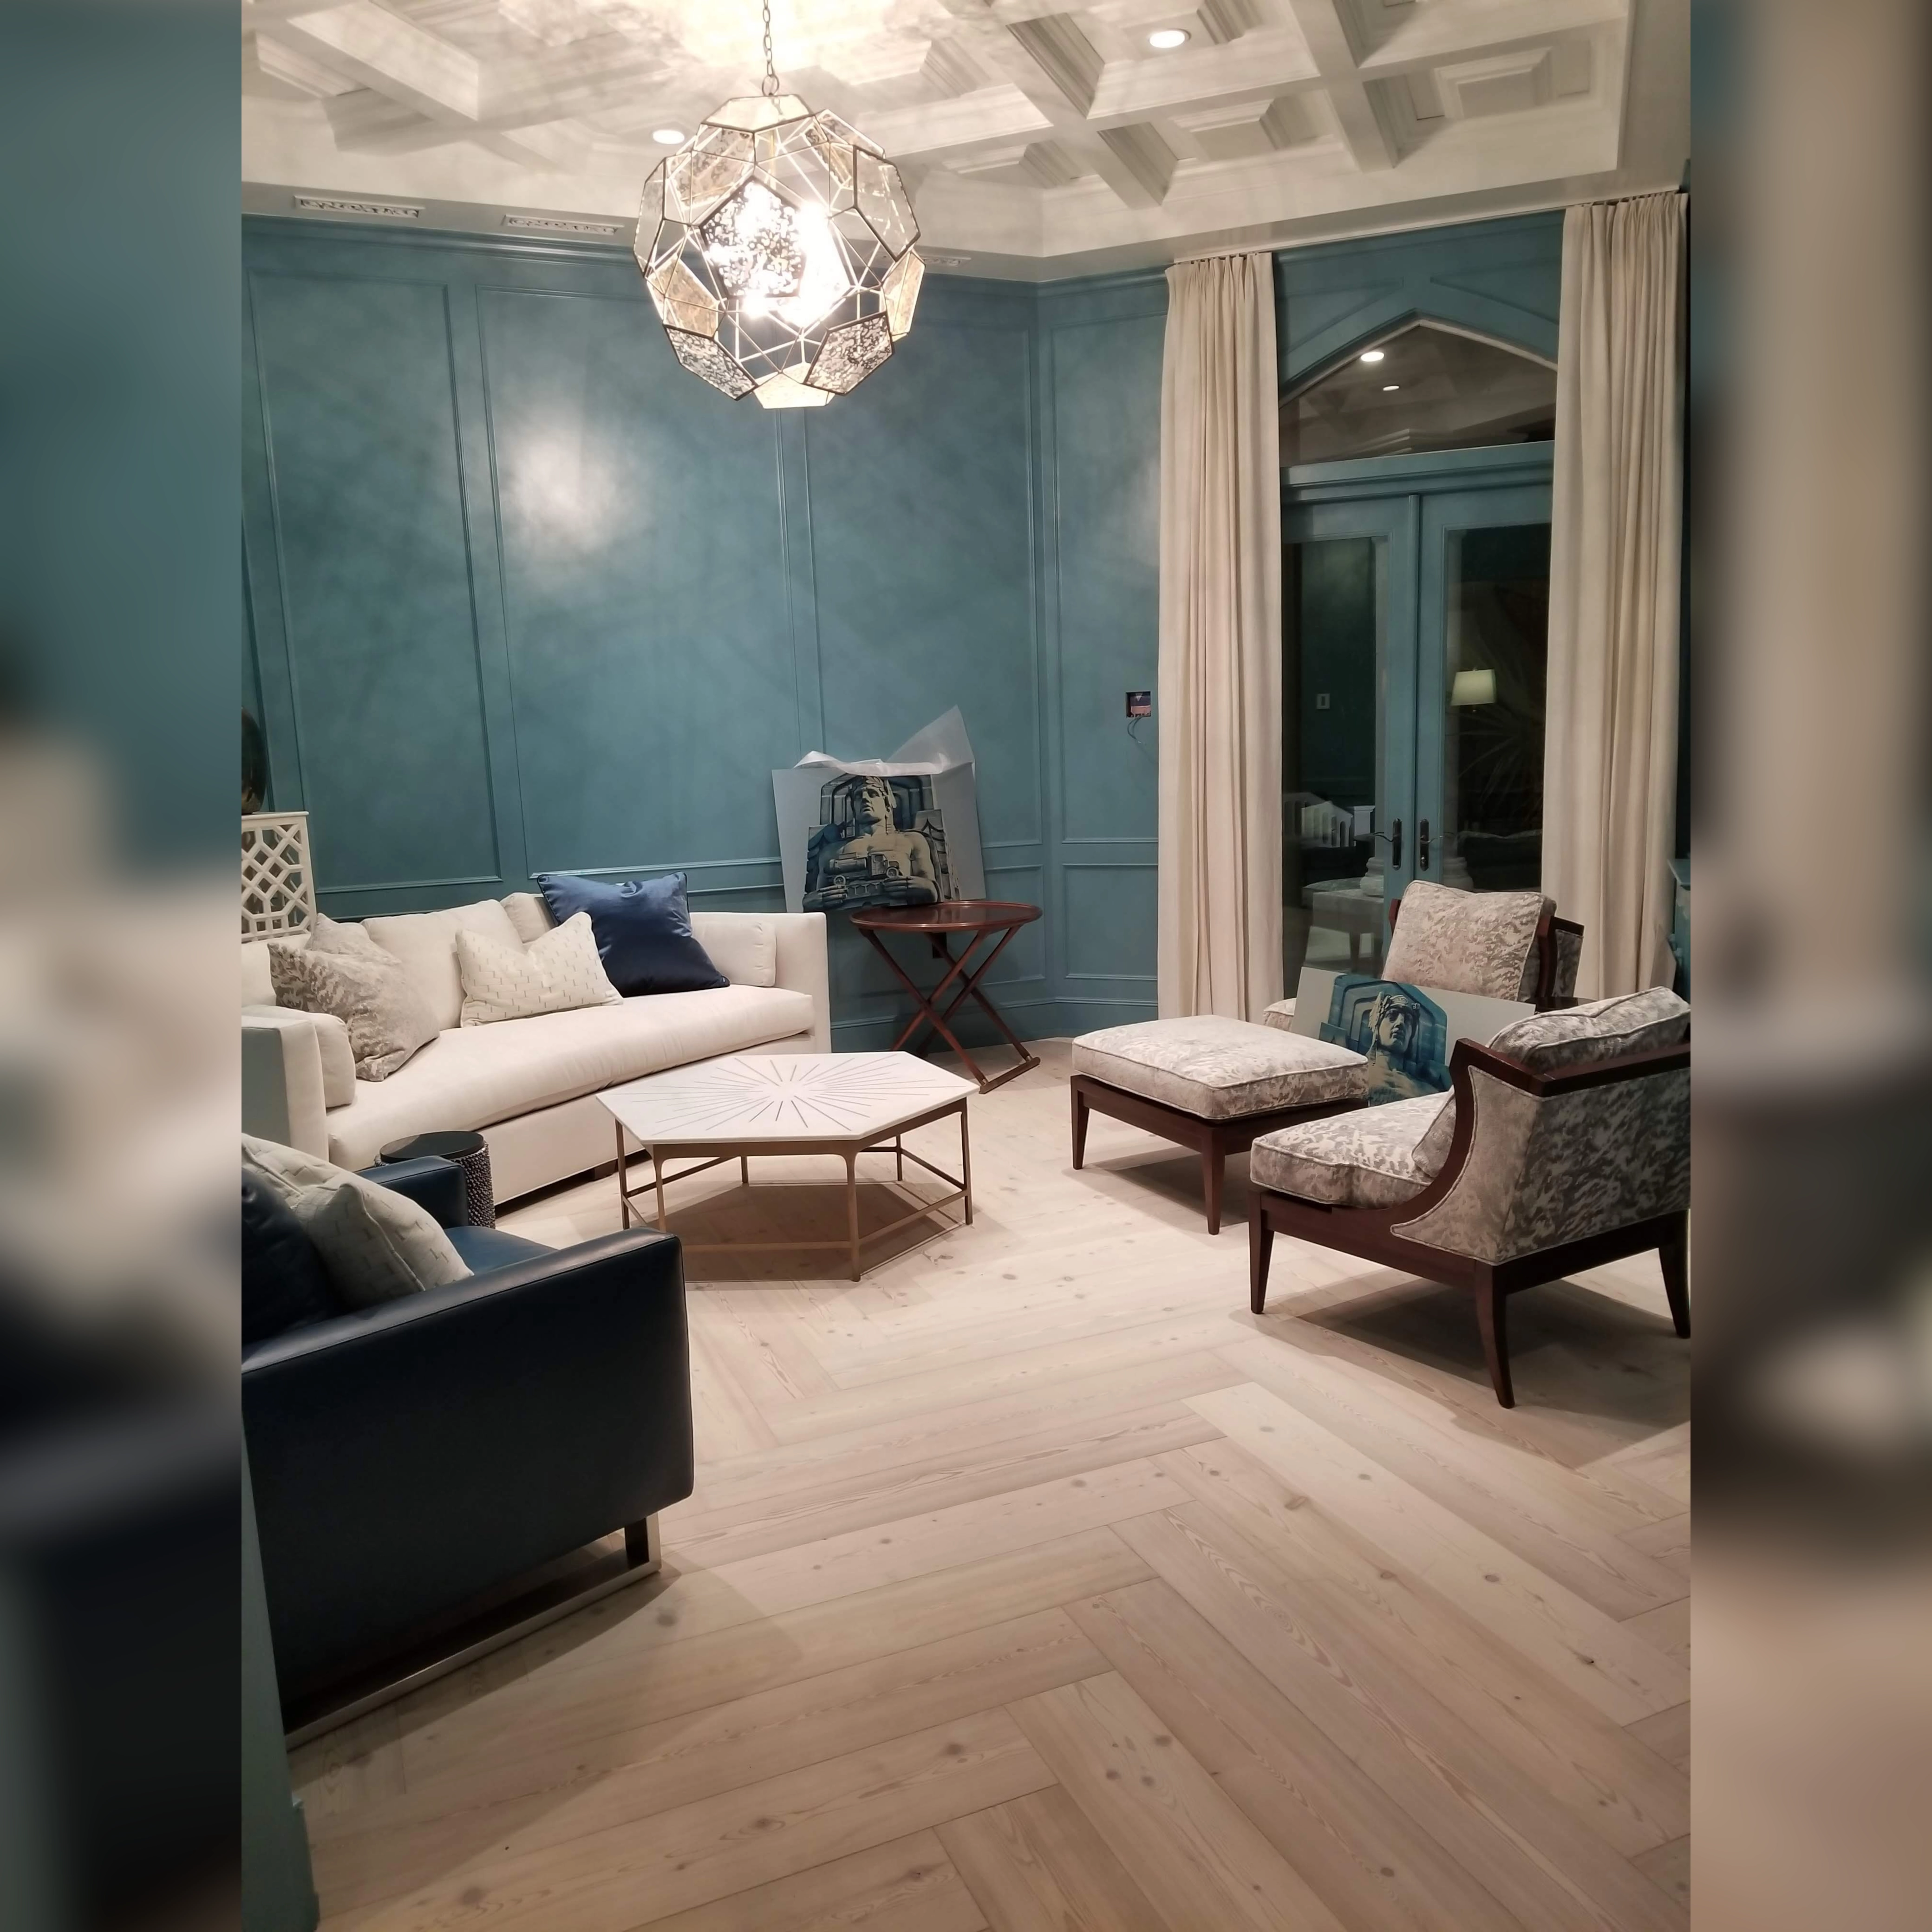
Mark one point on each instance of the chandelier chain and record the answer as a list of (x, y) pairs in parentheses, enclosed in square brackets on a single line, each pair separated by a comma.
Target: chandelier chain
[(769, 86)]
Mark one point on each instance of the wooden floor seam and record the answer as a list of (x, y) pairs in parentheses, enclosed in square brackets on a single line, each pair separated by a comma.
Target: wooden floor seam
[(1032, 1584)]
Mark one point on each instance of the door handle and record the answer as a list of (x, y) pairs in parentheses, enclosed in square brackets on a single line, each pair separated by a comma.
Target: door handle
[(1395, 846), (1422, 846)]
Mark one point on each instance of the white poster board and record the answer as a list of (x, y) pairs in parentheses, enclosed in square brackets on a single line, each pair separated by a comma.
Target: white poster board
[(865, 833)]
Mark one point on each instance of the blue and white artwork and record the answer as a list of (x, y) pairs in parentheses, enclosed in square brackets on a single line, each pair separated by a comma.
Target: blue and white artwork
[(1406, 1033)]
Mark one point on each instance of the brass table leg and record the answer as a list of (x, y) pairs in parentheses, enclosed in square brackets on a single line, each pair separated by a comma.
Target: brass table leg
[(852, 1207)]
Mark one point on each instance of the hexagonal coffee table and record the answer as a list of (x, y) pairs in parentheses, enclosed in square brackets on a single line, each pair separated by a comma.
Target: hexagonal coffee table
[(790, 1103)]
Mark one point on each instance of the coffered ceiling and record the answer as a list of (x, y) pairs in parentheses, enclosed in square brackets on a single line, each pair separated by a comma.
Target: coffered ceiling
[(1042, 137)]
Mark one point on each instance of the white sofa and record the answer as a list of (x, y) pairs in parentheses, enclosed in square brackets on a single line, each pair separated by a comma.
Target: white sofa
[(528, 1085)]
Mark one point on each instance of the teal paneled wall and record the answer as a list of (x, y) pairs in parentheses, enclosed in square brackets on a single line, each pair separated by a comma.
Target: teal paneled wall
[(526, 596)]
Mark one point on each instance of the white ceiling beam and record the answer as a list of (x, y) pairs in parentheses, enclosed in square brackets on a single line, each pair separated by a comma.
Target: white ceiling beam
[(990, 117), (383, 51), (1455, 30), (1255, 68), (1326, 28)]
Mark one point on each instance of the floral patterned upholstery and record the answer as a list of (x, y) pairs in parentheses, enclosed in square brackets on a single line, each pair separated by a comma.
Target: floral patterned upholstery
[(1576, 1037), (1600, 1030), (1540, 1170), (1369, 1158), (1480, 943), (1220, 1069), (1281, 1014)]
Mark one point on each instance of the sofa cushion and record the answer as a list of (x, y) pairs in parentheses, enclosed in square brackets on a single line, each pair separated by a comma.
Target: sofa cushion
[(553, 974), (1600, 1029), (1480, 943), (643, 930), (1367, 1158), (283, 1285), (1220, 1069), (375, 1245), (528, 913), (425, 942), (258, 983), (745, 950), (474, 1076), (387, 1020)]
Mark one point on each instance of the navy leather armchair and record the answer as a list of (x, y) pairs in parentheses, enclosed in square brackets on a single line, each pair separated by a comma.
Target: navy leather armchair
[(410, 1458)]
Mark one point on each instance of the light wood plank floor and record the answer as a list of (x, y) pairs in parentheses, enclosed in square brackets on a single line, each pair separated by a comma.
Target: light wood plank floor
[(1033, 1584)]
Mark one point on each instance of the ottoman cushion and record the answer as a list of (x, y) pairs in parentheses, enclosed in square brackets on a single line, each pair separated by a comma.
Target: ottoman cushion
[(1220, 1069), (1371, 1158)]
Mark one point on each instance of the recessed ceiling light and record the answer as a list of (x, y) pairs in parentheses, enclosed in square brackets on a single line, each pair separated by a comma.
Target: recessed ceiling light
[(668, 137), (1389, 389), (1164, 40), (1371, 355)]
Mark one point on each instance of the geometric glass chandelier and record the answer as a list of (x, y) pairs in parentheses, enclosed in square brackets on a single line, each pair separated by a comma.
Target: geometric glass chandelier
[(777, 245)]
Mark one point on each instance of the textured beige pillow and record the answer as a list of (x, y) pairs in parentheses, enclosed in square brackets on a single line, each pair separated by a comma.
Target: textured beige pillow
[(553, 974), (376, 1245), (425, 942), (387, 1020)]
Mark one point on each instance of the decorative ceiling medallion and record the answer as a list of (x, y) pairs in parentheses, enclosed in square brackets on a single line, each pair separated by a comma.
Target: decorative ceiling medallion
[(777, 244)]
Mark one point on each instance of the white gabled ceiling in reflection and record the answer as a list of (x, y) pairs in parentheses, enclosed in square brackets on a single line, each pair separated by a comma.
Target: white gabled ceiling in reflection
[(1042, 138)]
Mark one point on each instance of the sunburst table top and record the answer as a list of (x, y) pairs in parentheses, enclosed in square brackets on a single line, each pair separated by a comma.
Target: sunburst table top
[(779, 1098)]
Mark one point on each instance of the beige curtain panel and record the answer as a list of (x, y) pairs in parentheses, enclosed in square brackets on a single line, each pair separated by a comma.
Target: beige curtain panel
[(1610, 753), (1219, 947)]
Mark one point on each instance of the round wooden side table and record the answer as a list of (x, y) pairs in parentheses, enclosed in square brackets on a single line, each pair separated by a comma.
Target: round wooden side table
[(993, 921)]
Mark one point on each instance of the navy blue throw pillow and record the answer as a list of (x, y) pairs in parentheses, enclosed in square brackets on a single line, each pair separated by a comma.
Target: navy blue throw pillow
[(282, 1284), (642, 927)]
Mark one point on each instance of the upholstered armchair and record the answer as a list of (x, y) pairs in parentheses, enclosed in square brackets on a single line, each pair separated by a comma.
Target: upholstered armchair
[(1564, 1144), (1501, 946)]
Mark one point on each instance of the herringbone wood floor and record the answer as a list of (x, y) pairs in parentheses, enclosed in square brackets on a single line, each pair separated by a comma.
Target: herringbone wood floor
[(1032, 1583)]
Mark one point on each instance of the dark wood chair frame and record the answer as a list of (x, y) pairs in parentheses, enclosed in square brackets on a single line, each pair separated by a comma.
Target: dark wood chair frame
[(1370, 1233), (1546, 930), (1213, 1140)]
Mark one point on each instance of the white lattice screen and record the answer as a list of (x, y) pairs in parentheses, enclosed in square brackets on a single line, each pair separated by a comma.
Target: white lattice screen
[(277, 887)]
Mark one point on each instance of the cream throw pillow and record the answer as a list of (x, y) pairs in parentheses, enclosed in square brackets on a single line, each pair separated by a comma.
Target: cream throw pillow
[(376, 1245), (386, 1017), (553, 974)]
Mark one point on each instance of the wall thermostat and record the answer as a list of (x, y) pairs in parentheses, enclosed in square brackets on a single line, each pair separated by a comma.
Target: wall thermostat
[(1140, 704)]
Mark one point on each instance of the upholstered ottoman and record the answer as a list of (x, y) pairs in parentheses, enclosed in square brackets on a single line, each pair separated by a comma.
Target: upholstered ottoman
[(1209, 1084)]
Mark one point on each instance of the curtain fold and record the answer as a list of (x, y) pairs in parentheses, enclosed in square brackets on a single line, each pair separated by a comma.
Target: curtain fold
[(1219, 927), (1610, 751)]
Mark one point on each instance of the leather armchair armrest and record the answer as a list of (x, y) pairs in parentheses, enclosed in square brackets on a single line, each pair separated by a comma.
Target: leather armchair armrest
[(408, 1459), (431, 1183)]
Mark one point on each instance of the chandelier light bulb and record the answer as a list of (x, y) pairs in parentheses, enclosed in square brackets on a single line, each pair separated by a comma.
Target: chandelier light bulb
[(777, 246)]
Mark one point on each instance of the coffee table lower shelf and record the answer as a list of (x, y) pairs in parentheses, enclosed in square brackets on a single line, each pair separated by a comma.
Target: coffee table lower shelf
[(658, 1152)]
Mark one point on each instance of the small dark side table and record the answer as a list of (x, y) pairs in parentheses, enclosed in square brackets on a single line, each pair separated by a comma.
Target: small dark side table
[(469, 1151), (992, 922)]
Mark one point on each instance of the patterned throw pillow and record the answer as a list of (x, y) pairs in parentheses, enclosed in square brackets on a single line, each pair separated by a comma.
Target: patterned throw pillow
[(376, 1245), (387, 1018), (554, 974)]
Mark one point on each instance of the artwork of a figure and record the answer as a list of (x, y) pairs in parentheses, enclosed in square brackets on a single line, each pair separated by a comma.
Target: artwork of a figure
[(880, 841), (1401, 1032)]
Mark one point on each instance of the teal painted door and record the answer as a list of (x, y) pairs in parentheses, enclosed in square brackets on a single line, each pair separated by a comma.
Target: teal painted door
[(1415, 599)]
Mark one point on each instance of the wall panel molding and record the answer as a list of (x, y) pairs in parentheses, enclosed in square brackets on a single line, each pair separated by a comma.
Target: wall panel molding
[(977, 525)]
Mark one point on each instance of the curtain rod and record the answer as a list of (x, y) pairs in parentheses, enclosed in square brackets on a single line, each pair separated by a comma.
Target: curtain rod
[(1426, 227)]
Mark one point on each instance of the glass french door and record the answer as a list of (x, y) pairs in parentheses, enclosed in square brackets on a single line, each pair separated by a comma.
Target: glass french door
[(1415, 652)]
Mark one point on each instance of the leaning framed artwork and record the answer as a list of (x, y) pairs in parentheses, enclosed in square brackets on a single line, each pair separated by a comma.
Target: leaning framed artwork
[(1406, 1033)]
